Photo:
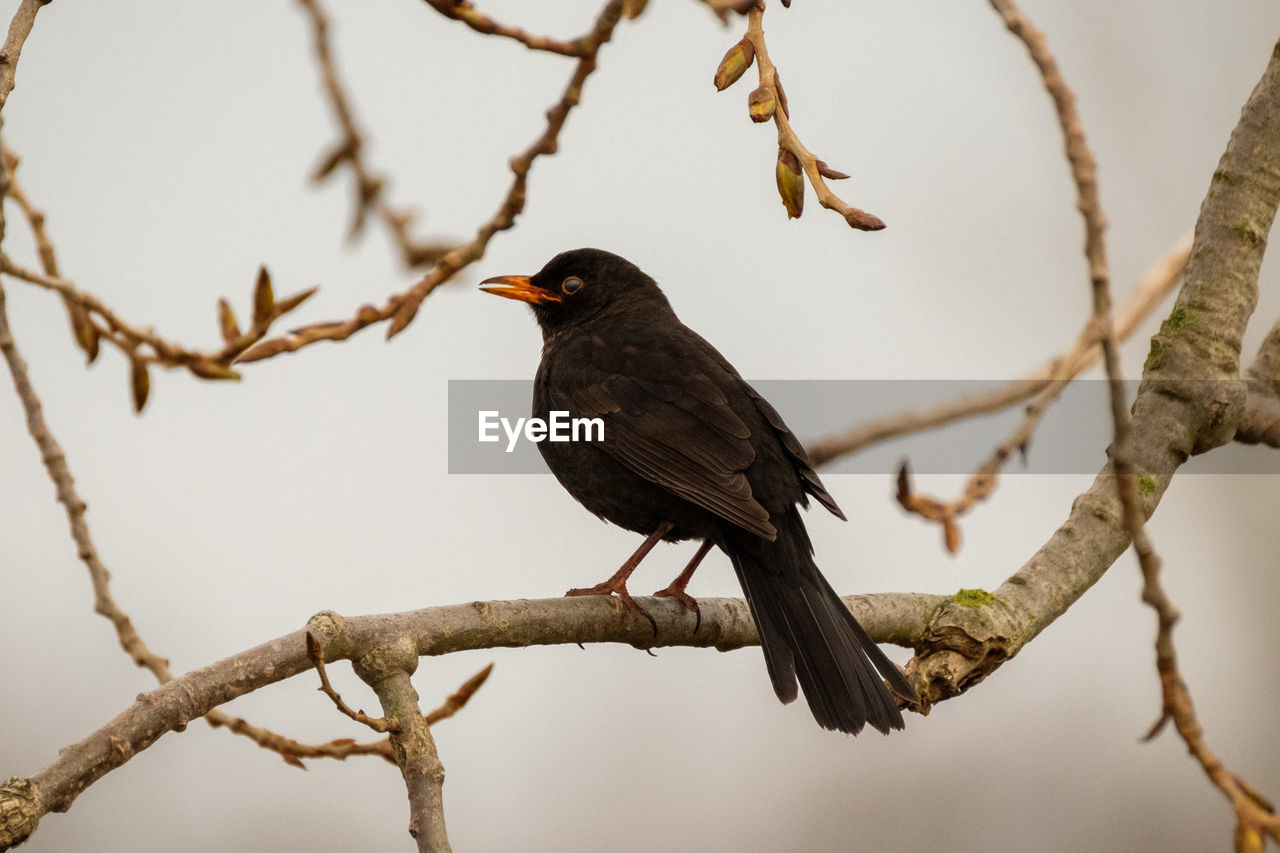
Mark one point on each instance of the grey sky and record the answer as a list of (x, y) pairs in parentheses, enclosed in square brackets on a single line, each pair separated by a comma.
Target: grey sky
[(169, 144)]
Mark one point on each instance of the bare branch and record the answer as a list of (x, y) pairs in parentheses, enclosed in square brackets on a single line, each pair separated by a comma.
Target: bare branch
[(1202, 339), (386, 669), (401, 308), (458, 699), (466, 12), (1157, 283), (726, 624), (378, 724), (19, 28), (55, 463), (349, 150), (1221, 282), (770, 101), (293, 751), (1260, 423)]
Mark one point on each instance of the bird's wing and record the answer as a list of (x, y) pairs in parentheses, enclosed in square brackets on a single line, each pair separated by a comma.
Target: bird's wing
[(679, 433), (796, 453)]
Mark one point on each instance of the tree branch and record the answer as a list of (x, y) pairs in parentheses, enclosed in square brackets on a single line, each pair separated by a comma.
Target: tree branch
[(386, 669), (349, 150), (1157, 283), (769, 102), (1201, 339), (466, 12), (1260, 421), (19, 28), (401, 308), (726, 624)]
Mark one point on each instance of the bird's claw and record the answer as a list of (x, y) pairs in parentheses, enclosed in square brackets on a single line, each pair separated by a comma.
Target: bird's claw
[(620, 590), (687, 601)]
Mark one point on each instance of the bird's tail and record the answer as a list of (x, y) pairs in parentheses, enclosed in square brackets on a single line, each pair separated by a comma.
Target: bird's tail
[(807, 632)]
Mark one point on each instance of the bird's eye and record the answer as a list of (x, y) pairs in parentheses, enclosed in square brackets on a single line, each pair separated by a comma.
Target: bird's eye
[(571, 285)]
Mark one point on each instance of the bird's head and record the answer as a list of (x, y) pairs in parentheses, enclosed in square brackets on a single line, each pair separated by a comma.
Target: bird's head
[(578, 285)]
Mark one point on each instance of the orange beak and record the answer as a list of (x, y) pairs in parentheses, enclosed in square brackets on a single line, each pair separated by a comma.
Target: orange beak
[(517, 287)]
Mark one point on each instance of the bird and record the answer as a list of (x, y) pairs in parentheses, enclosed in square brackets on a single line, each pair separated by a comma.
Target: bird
[(690, 451)]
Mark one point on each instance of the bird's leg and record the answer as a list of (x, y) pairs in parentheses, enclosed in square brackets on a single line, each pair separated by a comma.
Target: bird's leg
[(676, 588), (617, 585)]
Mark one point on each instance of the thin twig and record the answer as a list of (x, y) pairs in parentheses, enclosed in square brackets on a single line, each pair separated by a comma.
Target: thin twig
[(771, 92), (55, 463), (1100, 329), (378, 724), (349, 150), (466, 12), (59, 472), (401, 308), (19, 28), (1045, 384), (723, 9), (104, 603), (86, 332), (1151, 290), (1252, 818), (458, 699), (293, 751)]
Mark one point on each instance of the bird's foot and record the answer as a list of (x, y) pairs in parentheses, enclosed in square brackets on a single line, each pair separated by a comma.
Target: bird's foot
[(687, 601), (614, 587)]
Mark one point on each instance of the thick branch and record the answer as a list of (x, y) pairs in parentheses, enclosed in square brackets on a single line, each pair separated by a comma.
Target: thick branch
[(1171, 419), (386, 669), (726, 624), (1201, 340), (1260, 422)]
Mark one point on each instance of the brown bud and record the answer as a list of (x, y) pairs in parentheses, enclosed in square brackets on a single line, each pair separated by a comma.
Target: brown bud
[(263, 349), (790, 183), (264, 299), (734, 65), (208, 369), (1249, 840), (951, 534), (86, 333), (862, 220), (404, 316), (761, 104), (830, 173), (139, 381), (227, 323), (284, 306), (633, 8), (337, 155)]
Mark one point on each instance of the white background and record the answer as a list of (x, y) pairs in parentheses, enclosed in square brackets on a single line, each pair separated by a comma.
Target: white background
[(169, 144)]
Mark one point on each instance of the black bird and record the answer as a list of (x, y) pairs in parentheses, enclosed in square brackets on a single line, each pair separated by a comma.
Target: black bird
[(691, 451)]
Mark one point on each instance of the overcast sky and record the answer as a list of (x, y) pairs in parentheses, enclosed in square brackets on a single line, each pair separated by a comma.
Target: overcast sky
[(170, 144)]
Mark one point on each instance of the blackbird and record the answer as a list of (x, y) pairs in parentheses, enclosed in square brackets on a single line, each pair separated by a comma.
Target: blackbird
[(691, 451)]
